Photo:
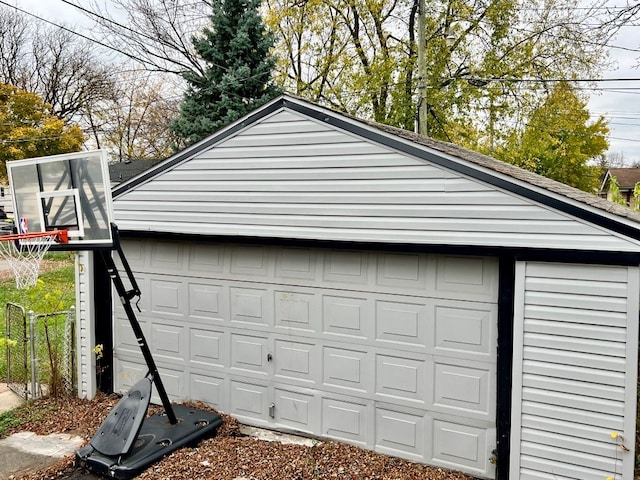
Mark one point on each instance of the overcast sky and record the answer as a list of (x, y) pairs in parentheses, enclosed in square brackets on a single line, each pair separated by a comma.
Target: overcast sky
[(618, 101)]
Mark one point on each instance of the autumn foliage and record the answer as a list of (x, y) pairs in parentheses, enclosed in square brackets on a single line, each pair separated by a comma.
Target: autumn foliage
[(28, 129)]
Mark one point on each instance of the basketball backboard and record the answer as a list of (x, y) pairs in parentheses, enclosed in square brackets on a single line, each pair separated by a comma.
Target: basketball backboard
[(69, 192)]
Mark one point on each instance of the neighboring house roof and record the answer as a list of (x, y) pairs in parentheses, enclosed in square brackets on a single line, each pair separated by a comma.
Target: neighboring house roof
[(626, 177), (123, 171), (502, 175)]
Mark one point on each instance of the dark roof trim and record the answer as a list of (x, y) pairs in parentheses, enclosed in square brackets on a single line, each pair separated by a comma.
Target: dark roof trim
[(595, 257), (506, 176)]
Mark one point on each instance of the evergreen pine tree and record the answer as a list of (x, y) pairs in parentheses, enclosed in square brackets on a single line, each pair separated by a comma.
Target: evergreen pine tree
[(237, 77)]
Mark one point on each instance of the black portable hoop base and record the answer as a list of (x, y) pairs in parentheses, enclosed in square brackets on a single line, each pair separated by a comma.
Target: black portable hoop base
[(129, 441)]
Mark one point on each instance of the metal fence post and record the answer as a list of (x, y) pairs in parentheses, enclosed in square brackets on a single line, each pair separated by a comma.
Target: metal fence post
[(34, 360)]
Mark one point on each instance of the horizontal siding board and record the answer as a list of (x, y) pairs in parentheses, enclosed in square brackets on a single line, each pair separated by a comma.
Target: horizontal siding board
[(333, 149), (569, 428), (569, 414), (344, 160), (588, 360), (284, 116), (323, 136), (336, 221), (564, 385), (257, 186), (359, 210), (289, 123), (576, 330), (569, 458), (578, 444), (527, 474), (562, 469), (297, 174), (602, 304), (592, 287), (562, 315), (589, 404), (574, 372), (575, 344), (577, 272), (302, 199)]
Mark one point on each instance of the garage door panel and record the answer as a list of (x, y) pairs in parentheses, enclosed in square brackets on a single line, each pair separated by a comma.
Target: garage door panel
[(348, 420), (128, 371), (250, 400), (456, 444), (207, 302), (137, 255), (296, 263), (402, 380), (347, 369), (465, 329), (168, 297), (402, 270), (464, 388), (206, 258), (347, 316), (405, 324), (166, 257), (250, 306), (249, 354), (296, 410), (466, 278), (250, 260), (208, 348), (169, 342), (401, 433), (127, 341), (296, 310), (346, 267), (210, 389), (174, 383), (299, 362)]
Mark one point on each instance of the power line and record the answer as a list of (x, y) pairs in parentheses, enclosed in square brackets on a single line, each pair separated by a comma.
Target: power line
[(66, 29)]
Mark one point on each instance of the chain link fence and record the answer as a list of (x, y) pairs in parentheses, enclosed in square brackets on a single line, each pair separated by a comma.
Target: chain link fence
[(18, 378), (41, 353)]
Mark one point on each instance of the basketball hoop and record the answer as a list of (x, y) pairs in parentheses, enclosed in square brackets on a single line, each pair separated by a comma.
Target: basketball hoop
[(24, 253)]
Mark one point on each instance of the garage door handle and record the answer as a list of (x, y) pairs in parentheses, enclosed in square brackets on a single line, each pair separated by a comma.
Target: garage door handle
[(272, 410), (269, 357)]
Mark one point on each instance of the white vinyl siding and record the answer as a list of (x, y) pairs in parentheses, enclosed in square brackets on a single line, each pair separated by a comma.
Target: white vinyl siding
[(85, 327), (391, 351), (574, 371), (289, 176)]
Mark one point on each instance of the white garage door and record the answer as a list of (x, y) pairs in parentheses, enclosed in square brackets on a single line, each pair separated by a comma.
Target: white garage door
[(390, 351)]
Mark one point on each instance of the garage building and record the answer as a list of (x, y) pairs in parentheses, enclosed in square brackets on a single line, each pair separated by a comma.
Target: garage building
[(307, 271)]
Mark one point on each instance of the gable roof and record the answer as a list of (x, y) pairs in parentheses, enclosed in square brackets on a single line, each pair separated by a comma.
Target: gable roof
[(575, 202), (124, 171), (626, 177)]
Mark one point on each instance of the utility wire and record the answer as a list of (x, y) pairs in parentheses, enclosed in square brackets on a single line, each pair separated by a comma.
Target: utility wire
[(66, 29)]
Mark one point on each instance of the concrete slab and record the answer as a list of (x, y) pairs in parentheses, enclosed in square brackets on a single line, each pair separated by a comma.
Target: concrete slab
[(25, 452), (272, 436), (8, 399)]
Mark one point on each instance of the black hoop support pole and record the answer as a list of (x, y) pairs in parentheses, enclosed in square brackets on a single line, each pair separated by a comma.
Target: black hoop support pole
[(125, 297)]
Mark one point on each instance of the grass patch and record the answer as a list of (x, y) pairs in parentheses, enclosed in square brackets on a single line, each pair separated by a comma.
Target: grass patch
[(55, 289), (27, 412), (54, 292)]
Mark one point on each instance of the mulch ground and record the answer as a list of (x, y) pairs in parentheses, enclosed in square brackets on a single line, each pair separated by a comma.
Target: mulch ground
[(226, 456)]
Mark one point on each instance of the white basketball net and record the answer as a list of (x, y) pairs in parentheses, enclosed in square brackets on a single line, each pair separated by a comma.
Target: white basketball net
[(24, 257)]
